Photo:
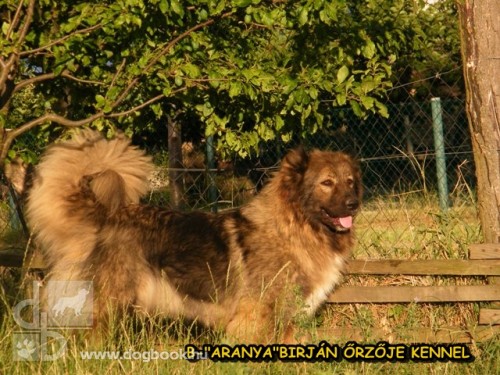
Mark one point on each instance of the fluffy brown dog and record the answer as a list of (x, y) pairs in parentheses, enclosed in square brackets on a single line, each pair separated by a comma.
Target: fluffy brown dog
[(277, 256)]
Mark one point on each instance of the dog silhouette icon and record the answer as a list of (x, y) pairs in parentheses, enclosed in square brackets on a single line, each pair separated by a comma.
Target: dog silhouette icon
[(75, 303)]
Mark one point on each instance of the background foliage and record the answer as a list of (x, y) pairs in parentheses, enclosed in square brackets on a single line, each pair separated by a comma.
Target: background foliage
[(245, 71)]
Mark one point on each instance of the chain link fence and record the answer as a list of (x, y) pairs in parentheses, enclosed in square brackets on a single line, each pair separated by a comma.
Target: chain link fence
[(401, 215)]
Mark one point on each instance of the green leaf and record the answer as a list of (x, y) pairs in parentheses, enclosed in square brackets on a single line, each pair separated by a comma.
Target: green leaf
[(331, 10), (342, 74), (279, 122), (369, 50), (163, 6), (100, 101), (319, 118), (313, 93), (191, 70), (166, 90), (177, 7), (287, 137), (58, 69), (367, 102), (303, 16), (113, 93), (209, 128), (202, 15), (86, 60), (305, 114), (221, 5), (382, 109), (341, 99), (356, 108), (301, 96), (206, 109), (234, 89), (289, 85), (5, 28), (265, 132), (242, 3), (368, 85), (157, 110)]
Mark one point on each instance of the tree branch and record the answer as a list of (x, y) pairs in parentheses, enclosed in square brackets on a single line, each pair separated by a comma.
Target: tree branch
[(8, 72), (27, 23), (167, 48), (143, 105), (52, 117), (11, 135), (118, 72), (66, 74), (15, 20), (7, 67), (49, 76), (137, 108), (60, 40)]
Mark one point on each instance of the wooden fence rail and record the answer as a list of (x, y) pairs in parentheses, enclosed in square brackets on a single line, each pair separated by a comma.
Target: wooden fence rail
[(441, 267), (484, 260)]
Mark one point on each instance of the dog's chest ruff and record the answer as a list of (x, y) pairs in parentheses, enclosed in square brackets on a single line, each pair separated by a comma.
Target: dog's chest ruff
[(331, 277)]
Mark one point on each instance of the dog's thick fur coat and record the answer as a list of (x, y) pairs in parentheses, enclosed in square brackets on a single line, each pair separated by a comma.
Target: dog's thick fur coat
[(236, 270)]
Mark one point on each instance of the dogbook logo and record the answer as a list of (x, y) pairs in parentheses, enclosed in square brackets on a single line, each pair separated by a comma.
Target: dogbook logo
[(68, 305)]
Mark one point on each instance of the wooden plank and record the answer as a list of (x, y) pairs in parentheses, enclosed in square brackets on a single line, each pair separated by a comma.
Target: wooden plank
[(489, 316), (11, 257), (495, 281), (14, 257), (487, 251), (446, 335), (484, 251), (425, 267), (404, 294), (485, 333)]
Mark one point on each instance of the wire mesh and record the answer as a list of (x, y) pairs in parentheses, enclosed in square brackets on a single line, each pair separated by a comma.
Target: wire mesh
[(401, 214), (397, 155)]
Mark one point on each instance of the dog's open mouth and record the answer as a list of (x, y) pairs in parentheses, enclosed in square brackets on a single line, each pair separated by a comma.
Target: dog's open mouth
[(340, 224)]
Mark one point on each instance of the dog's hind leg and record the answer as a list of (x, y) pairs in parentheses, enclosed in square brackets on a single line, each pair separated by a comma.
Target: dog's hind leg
[(253, 322)]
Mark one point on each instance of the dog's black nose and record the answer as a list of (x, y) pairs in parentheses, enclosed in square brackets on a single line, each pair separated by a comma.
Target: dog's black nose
[(352, 203)]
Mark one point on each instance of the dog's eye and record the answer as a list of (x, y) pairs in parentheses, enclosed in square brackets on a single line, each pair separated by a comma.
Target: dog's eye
[(327, 183), (350, 181)]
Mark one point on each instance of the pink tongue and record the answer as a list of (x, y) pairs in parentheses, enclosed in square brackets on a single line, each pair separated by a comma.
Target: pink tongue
[(346, 222)]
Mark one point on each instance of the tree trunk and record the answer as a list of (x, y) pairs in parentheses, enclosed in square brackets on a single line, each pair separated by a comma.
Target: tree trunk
[(480, 36), (175, 179)]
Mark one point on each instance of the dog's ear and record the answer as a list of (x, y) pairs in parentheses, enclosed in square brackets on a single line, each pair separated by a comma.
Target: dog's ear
[(296, 160)]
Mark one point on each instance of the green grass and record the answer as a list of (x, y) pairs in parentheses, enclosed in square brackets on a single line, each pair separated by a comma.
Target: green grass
[(413, 227), (404, 227)]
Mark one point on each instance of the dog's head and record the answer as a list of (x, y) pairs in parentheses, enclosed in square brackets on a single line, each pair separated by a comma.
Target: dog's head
[(325, 186)]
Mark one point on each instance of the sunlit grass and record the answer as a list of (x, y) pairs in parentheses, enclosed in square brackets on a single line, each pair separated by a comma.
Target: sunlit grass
[(414, 227), (402, 227)]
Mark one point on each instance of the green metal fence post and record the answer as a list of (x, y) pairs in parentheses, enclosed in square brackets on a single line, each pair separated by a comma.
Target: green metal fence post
[(437, 126), (212, 188)]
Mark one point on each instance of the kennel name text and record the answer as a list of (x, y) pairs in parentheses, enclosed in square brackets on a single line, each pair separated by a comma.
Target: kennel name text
[(325, 352)]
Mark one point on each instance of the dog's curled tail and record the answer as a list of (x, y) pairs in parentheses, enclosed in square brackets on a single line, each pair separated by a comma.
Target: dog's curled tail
[(72, 179)]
